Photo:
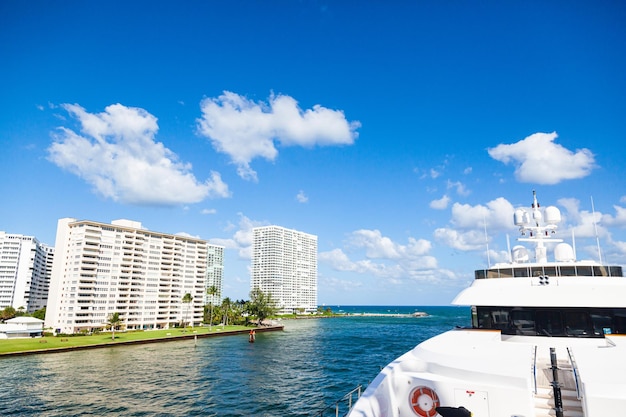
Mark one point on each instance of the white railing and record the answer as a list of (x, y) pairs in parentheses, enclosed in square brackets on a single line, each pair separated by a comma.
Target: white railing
[(534, 369), (575, 370), (344, 403)]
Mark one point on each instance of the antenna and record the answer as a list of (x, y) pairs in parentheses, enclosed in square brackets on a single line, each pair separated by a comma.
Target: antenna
[(508, 247), (486, 242), (595, 227)]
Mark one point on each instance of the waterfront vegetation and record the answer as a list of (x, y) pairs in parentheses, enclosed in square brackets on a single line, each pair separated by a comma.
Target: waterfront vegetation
[(104, 338)]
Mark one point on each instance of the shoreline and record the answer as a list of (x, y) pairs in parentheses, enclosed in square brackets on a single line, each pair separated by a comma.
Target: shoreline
[(174, 338), (417, 314)]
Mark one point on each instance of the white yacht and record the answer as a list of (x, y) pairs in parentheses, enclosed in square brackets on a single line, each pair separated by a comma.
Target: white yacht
[(548, 338)]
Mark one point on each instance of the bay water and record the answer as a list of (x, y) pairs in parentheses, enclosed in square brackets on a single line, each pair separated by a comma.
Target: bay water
[(295, 372)]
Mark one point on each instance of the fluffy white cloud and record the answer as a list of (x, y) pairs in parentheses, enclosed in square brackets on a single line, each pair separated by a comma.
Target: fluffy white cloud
[(539, 160), (245, 130), (459, 186), (117, 154), (381, 257), (619, 220), (302, 197), (461, 240), (242, 237), (378, 246), (468, 223), (496, 215), (440, 204)]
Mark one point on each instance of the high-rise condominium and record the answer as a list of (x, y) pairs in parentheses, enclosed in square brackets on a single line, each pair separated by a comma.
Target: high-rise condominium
[(284, 264), (100, 269), (25, 266)]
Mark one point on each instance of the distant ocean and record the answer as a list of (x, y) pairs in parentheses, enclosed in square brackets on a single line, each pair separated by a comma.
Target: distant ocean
[(297, 372)]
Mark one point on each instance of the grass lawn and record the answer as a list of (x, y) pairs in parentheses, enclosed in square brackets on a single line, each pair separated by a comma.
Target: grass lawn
[(51, 342)]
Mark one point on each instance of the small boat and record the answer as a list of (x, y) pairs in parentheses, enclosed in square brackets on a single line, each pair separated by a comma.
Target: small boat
[(548, 338)]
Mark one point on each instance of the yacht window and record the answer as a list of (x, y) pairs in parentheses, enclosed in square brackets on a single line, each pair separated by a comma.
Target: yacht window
[(536, 271), (599, 271), (602, 323), (493, 318), (523, 322), (480, 274), (558, 322), (584, 271), (484, 319), (549, 323), (615, 271), (568, 271), (577, 323), (492, 273), (549, 271), (520, 272), (619, 320), (506, 273)]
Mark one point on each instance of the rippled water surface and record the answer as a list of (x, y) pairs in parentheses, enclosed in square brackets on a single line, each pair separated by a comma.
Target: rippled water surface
[(296, 372)]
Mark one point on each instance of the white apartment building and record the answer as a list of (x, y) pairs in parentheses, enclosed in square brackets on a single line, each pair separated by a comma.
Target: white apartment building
[(284, 264), (100, 269), (25, 267)]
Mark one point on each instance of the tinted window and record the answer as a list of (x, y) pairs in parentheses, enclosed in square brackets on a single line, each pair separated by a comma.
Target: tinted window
[(577, 323), (602, 323), (549, 323), (523, 322), (521, 272)]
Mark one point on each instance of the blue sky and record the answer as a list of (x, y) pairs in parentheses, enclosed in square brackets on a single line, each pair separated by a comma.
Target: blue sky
[(391, 130)]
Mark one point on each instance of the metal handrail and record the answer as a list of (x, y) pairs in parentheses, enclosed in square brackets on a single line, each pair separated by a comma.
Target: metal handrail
[(575, 370), (345, 400), (535, 369)]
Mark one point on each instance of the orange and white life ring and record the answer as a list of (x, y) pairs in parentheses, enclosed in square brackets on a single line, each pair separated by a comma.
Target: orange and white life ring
[(424, 401)]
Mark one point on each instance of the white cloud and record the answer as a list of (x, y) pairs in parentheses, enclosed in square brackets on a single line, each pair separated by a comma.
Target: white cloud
[(469, 240), (117, 154), (378, 246), (301, 197), (459, 186), (619, 220), (539, 160), (497, 214), (379, 256), (434, 173), (245, 130), (242, 237), (468, 223), (440, 204), (208, 211)]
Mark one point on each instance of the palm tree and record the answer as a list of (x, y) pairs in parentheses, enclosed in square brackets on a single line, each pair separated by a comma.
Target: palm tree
[(211, 291), (113, 322), (226, 302), (187, 299)]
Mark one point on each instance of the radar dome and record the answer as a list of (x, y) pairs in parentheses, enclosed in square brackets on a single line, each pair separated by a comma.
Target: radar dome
[(520, 217), (520, 254), (563, 252), (553, 215)]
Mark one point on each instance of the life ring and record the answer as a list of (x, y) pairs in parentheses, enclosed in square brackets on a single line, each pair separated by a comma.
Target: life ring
[(424, 401)]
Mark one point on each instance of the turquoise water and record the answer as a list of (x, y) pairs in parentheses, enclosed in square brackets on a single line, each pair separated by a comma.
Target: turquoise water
[(297, 372)]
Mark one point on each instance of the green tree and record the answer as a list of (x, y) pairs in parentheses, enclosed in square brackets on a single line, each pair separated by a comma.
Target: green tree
[(261, 305), (211, 291), (187, 299), (40, 314), (226, 302), (7, 313), (114, 322)]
